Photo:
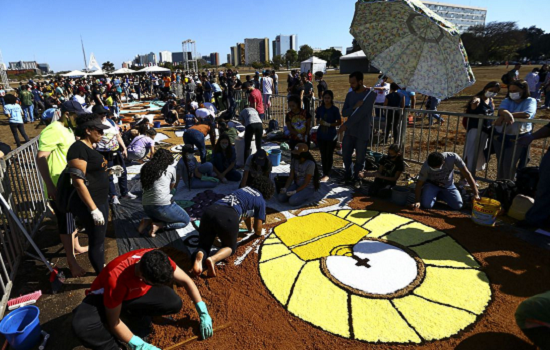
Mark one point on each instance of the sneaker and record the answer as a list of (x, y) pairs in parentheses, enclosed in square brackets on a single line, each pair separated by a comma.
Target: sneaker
[(357, 184), (130, 195), (116, 201)]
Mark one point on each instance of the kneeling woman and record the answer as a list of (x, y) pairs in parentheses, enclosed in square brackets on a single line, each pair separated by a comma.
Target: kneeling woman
[(224, 159), (158, 178), (222, 220), (304, 177), (194, 175)]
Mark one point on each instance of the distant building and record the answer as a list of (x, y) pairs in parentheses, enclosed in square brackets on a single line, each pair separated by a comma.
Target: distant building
[(177, 58), (215, 59), (256, 50), (283, 43), (229, 58), (234, 56), (241, 54), (146, 60), (206, 59), (463, 17), (23, 65), (44, 68), (165, 56), (127, 64)]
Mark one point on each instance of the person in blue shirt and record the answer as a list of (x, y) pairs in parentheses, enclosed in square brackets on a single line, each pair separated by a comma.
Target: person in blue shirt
[(410, 98), (15, 118), (517, 105), (224, 158), (328, 117), (222, 220), (190, 119)]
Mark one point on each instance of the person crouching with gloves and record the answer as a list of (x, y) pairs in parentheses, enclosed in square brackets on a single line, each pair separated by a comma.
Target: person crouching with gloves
[(134, 286)]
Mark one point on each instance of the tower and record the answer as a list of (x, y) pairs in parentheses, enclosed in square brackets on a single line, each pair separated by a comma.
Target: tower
[(189, 48), (3, 76)]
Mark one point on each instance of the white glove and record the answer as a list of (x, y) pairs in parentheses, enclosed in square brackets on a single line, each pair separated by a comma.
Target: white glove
[(283, 190), (97, 215), (116, 170), (291, 193)]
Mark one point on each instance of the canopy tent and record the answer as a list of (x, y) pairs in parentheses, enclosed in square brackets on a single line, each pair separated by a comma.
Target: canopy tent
[(74, 73), (356, 61), (98, 72), (154, 69), (314, 64), (124, 71)]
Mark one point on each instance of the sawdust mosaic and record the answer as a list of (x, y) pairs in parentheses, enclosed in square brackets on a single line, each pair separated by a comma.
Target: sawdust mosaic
[(373, 276)]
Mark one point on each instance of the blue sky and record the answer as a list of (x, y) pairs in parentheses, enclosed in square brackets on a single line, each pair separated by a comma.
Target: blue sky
[(117, 30)]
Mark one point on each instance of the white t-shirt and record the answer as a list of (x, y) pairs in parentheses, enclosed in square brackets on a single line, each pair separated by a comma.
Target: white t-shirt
[(79, 99), (381, 94), (109, 140), (213, 110), (267, 83), (202, 113)]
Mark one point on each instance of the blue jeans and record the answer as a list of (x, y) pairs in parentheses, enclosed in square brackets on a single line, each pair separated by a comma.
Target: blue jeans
[(450, 195), (117, 159), (206, 169), (219, 163), (432, 116), (539, 214), (276, 88), (298, 198), (349, 144), (511, 162), (28, 113), (172, 216), (195, 137), (2, 102), (232, 105)]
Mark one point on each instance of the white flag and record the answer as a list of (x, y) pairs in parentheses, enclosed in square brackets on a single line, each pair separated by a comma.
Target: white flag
[(93, 63)]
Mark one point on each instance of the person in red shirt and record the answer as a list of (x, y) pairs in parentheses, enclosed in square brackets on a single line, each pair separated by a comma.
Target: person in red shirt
[(136, 284), (255, 99)]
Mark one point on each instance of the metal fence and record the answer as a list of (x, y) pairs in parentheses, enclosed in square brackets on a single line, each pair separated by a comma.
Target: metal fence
[(21, 186)]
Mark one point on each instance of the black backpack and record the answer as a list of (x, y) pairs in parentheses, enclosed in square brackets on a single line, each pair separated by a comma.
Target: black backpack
[(527, 180), (66, 190), (503, 191)]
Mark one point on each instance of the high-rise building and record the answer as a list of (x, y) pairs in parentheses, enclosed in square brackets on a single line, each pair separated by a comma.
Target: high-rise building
[(44, 67), (256, 50), (127, 64), (23, 65), (215, 59), (241, 54), (177, 58), (165, 56), (229, 58), (146, 60), (234, 56), (283, 43), (463, 17)]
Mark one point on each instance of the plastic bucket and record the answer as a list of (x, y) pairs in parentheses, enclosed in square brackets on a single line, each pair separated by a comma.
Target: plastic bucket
[(485, 211), (156, 124), (400, 195), (22, 328), (275, 156)]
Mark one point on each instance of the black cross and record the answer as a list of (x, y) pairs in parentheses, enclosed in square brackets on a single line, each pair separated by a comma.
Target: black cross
[(361, 262)]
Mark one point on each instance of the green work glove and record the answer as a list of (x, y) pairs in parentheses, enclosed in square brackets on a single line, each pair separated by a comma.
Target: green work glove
[(211, 179), (136, 343), (206, 320)]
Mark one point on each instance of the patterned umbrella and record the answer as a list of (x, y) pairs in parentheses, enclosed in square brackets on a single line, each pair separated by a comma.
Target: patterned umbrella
[(413, 46)]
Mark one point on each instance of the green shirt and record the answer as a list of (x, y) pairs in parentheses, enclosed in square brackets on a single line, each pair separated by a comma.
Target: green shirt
[(57, 139), (535, 308), (27, 98)]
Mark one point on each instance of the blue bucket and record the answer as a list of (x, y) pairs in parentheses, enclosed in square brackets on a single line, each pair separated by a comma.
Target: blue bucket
[(156, 125), (22, 328), (275, 156)]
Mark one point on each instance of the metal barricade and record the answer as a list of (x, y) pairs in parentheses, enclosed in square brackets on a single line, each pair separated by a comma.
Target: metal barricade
[(22, 187), (178, 90)]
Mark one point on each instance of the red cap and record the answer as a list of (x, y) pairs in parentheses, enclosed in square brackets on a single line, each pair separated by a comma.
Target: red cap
[(81, 89)]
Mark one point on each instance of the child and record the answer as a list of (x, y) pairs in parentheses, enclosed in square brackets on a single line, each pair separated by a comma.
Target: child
[(298, 122), (303, 180), (224, 159), (15, 118), (390, 170), (194, 176), (142, 145)]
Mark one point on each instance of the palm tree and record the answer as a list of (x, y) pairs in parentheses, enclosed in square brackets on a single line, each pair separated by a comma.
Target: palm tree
[(108, 66)]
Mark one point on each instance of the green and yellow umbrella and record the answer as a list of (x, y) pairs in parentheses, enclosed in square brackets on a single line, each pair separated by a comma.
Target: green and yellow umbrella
[(413, 46)]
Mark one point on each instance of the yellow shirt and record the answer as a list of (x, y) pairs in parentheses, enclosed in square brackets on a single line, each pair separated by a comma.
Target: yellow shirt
[(56, 139)]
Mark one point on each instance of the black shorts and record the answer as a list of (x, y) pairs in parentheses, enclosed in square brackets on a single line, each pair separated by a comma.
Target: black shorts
[(218, 221), (65, 222)]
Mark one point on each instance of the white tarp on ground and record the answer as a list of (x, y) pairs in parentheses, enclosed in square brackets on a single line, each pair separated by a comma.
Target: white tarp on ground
[(314, 64), (154, 69), (74, 73)]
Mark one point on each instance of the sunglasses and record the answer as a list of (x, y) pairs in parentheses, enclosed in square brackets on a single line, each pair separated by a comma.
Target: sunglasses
[(99, 131)]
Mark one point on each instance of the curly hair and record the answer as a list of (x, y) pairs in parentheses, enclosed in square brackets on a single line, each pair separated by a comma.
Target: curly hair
[(264, 185), (155, 268), (153, 170)]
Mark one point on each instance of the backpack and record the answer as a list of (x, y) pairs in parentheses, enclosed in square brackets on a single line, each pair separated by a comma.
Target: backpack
[(503, 191), (273, 125), (505, 79), (66, 190), (527, 180)]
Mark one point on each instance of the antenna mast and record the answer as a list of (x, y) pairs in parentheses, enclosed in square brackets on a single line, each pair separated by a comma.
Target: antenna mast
[(3, 76), (84, 53)]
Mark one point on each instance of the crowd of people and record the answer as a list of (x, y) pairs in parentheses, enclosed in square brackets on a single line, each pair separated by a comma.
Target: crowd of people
[(83, 142)]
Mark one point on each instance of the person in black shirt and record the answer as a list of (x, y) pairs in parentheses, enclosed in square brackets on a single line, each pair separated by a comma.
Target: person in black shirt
[(96, 95), (390, 170), (91, 206), (393, 120), (322, 85), (234, 86)]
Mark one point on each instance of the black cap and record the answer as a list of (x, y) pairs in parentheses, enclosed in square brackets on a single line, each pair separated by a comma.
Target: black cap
[(72, 106), (260, 158), (94, 123), (99, 109)]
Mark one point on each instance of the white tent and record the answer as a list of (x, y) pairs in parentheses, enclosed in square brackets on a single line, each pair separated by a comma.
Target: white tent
[(154, 69), (356, 61), (74, 73), (314, 64), (124, 71), (97, 73)]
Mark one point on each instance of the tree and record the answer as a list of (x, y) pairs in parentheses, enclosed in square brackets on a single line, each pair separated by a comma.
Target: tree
[(278, 61), (305, 52), (495, 41), (332, 56), (228, 66), (257, 65), (108, 66), (291, 56), (168, 65), (355, 46)]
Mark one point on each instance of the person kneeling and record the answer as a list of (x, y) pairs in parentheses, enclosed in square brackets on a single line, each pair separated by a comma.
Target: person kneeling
[(134, 286), (158, 180), (222, 220), (194, 175), (390, 170), (224, 159), (304, 177), (436, 181)]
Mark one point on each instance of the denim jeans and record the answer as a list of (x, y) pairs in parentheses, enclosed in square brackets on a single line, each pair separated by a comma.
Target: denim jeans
[(206, 169), (172, 216), (434, 115), (219, 163), (298, 198), (195, 137), (28, 113), (2, 102), (276, 88), (350, 144), (450, 195), (232, 105), (117, 159), (539, 213), (509, 161)]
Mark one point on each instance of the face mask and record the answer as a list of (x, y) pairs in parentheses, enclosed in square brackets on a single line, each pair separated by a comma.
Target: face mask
[(190, 156), (224, 145), (436, 169), (515, 96), (490, 94)]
